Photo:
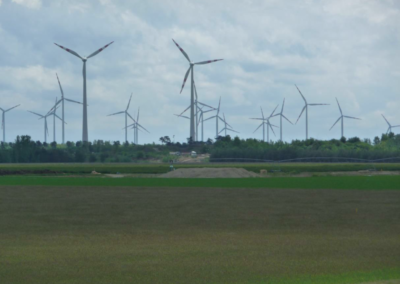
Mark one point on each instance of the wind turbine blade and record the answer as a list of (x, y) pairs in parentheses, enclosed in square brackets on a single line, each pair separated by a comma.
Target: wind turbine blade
[(271, 128), (185, 110), (286, 119), (258, 118), (385, 119), (351, 117), (116, 113), (274, 125), (129, 102), (36, 113), (339, 106), (59, 84), (99, 50), (283, 105), (396, 126), (207, 62), (335, 123), (195, 91), (262, 113), (210, 118), (205, 105), (143, 128), (221, 119), (1, 109), (181, 49), (69, 50), (138, 112), (318, 104), (274, 110), (232, 130), (72, 101), (183, 116), (184, 80), (12, 108), (205, 111), (130, 116), (221, 130), (301, 114), (301, 94), (60, 119), (258, 127), (129, 125)]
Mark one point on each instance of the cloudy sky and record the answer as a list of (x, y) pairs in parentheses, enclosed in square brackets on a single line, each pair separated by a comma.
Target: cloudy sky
[(347, 49)]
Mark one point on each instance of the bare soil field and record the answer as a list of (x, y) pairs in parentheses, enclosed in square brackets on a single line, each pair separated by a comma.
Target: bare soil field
[(209, 173), (196, 235)]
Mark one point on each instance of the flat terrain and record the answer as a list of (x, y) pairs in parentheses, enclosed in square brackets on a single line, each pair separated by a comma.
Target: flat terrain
[(135, 234)]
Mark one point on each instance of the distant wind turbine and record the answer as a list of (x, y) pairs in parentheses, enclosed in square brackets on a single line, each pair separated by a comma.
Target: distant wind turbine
[(191, 70), (227, 127), (62, 107), (85, 136), (306, 108), (390, 126), (3, 121), (265, 121), (126, 117), (46, 130), (342, 118), (280, 116), (136, 127), (217, 117)]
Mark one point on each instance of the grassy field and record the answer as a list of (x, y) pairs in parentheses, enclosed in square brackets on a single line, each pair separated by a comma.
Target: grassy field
[(87, 168), (237, 231), (328, 182)]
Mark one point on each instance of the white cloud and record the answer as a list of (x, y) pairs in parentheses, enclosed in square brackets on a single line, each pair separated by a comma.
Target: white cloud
[(31, 4)]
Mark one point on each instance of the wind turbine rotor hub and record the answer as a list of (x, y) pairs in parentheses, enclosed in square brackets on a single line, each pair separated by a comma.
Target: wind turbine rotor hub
[(84, 59)]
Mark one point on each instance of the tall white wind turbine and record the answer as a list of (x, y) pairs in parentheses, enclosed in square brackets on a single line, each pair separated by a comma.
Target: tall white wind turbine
[(280, 116), (126, 117), (3, 121), (306, 108), (62, 107), (342, 118), (85, 136), (191, 70), (390, 126), (265, 121)]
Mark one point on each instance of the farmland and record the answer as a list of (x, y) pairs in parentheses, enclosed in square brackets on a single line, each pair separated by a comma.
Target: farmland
[(253, 230), (159, 168)]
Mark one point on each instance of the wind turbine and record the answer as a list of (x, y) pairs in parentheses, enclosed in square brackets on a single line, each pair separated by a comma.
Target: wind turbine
[(281, 115), (126, 117), (3, 121), (62, 107), (227, 127), (217, 117), (85, 136), (46, 130), (342, 118), (390, 126), (306, 108), (191, 70), (266, 121), (136, 127), (54, 121)]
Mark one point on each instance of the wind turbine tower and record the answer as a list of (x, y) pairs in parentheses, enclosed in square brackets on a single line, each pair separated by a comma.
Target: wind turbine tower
[(62, 108), (3, 121), (85, 136), (342, 118), (126, 118), (306, 109), (280, 116), (191, 70)]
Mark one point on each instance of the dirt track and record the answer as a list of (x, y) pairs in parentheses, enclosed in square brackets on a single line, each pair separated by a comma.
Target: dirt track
[(210, 173)]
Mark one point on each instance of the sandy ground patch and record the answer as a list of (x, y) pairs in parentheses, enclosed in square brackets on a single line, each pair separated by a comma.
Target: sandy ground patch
[(210, 173)]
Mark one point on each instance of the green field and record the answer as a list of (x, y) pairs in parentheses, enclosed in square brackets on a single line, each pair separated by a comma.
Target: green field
[(328, 182), (127, 230), (12, 169)]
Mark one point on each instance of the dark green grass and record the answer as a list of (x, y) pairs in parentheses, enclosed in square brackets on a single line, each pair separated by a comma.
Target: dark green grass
[(87, 168), (197, 235), (328, 182)]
